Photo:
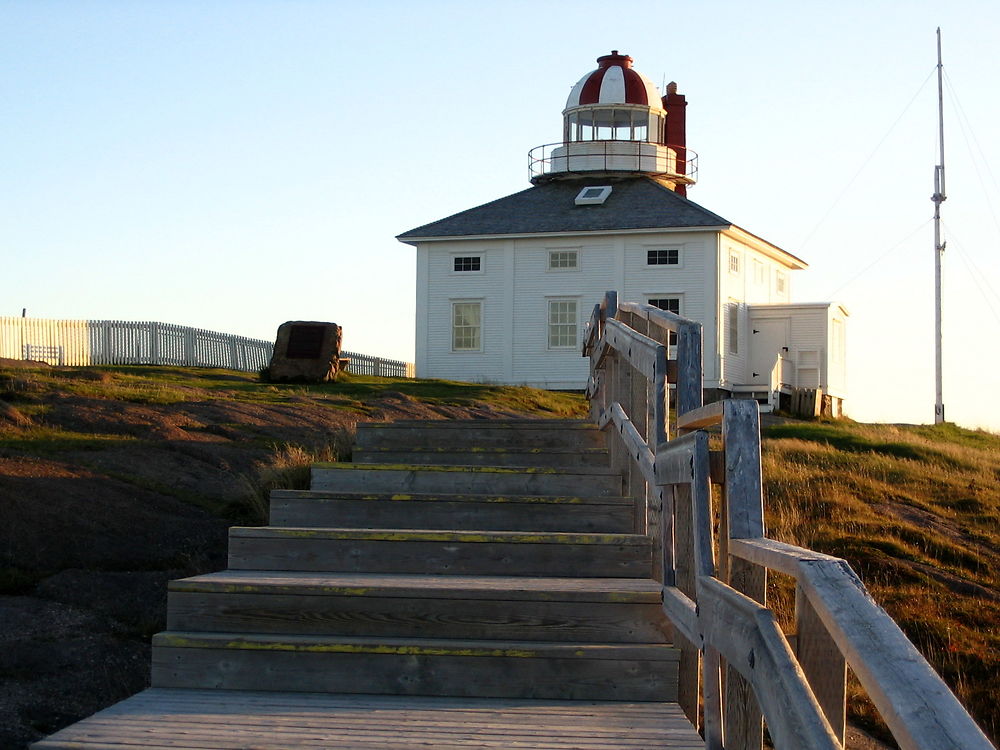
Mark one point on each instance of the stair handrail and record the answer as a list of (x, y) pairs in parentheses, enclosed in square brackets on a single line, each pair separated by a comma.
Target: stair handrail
[(717, 605)]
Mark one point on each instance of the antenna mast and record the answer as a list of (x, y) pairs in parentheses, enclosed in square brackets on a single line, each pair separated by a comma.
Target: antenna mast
[(938, 198)]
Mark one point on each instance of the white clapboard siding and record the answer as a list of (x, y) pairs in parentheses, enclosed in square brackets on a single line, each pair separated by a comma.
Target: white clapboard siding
[(121, 342)]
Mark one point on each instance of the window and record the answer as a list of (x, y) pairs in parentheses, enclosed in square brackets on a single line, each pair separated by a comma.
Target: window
[(668, 256), (561, 260), (670, 304), (468, 263), (733, 314), (466, 326), (779, 282), (601, 122), (759, 272), (734, 262), (562, 323)]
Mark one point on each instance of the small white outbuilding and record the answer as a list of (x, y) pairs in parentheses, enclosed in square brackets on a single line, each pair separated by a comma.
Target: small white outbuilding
[(503, 289)]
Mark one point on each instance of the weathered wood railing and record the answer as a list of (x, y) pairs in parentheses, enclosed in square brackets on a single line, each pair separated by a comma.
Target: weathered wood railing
[(738, 669)]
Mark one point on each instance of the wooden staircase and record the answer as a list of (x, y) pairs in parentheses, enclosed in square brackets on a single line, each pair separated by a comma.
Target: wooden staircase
[(463, 584)]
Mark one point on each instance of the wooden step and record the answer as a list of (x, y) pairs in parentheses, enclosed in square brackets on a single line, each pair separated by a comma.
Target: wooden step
[(610, 515), (162, 718), (356, 477), (476, 456), (385, 605), (440, 552), (481, 433), (416, 666)]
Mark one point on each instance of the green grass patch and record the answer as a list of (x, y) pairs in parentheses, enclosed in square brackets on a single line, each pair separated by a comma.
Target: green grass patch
[(50, 440), (170, 385)]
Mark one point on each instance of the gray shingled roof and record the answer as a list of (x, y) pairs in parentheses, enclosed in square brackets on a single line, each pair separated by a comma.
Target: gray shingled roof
[(634, 203)]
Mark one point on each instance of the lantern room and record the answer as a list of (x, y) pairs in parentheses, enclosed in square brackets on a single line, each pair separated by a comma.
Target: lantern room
[(615, 121)]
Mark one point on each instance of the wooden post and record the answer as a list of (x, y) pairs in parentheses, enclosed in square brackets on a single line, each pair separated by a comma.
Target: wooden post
[(688, 688), (821, 661), (744, 510), (712, 685), (690, 394), (635, 407)]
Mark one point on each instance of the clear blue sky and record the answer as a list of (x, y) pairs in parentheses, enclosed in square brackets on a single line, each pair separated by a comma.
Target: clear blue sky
[(234, 164)]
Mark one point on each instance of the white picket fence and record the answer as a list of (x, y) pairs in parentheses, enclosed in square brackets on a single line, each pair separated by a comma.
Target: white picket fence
[(121, 342)]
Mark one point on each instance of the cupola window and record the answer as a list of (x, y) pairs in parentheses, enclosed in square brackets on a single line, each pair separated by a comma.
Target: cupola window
[(621, 123)]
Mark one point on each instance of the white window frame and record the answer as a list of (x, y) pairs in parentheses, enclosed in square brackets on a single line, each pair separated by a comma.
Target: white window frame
[(647, 249), (735, 264), (780, 283), (549, 302), (479, 333), (455, 256), (759, 272), (575, 251)]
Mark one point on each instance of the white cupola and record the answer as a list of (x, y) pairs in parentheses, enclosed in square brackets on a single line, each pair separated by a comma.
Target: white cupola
[(616, 122)]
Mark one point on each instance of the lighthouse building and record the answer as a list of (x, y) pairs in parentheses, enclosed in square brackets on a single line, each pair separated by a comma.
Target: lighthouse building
[(503, 289)]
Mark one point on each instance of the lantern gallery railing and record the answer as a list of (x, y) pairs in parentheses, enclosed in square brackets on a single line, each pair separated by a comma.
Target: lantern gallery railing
[(714, 582), (582, 157)]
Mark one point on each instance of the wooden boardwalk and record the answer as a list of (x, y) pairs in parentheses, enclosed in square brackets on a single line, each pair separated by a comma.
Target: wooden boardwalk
[(496, 598), (162, 718)]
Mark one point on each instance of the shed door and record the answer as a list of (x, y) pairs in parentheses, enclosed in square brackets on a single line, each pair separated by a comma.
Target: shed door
[(768, 338)]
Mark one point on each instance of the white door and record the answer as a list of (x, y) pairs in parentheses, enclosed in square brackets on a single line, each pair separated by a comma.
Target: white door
[(769, 337)]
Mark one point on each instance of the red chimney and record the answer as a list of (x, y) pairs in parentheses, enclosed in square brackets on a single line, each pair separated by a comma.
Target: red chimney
[(676, 135)]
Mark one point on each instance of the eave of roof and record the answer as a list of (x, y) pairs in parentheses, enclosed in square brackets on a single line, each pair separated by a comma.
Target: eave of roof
[(772, 250), (529, 235), (636, 203)]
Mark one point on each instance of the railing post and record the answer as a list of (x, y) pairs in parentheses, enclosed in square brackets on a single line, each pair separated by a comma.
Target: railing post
[(822, 663), (742, 518), (689, 668), (690, 394)]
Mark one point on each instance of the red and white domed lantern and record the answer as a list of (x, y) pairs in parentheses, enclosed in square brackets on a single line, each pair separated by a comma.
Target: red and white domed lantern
[(614, 82), (615, 121)]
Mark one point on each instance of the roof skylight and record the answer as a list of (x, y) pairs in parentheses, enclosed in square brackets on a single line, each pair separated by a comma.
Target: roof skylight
[(594, 195)]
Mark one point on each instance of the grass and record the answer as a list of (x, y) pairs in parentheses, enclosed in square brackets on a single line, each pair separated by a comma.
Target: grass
[(288, 468), (172, 385), (42, 440), (914, 510)]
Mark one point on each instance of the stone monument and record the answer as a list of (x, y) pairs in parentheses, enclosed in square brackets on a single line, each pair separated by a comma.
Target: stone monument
[(306, 351)]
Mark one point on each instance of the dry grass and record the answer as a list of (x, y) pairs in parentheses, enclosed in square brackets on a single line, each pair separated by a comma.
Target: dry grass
[(287, 468), (915, 511)]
